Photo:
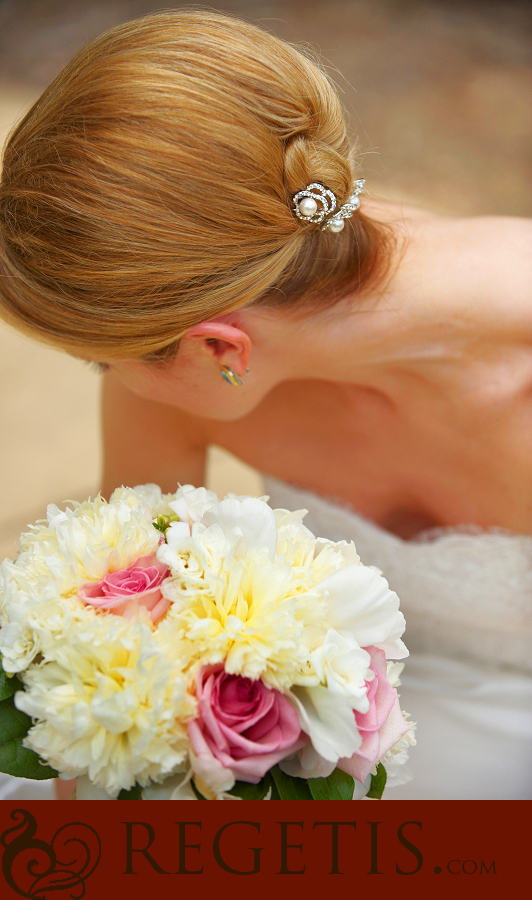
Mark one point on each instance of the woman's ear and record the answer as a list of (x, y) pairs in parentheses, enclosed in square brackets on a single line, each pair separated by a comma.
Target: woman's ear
[(229, 345)]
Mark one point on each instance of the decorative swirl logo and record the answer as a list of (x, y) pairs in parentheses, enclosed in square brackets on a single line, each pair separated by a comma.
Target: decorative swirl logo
[(33, 868)]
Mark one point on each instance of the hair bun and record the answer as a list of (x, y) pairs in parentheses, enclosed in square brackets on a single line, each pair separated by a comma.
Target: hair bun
[(307, 161)]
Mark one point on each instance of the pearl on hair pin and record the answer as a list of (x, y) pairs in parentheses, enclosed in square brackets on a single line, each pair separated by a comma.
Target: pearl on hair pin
[(314, 203), (308, 207), (336, 225)]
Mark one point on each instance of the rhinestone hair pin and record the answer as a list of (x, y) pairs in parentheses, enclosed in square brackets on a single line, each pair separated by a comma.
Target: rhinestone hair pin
[(317, 205)]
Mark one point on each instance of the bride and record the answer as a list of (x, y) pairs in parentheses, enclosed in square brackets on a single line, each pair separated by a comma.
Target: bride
[(374, 361)]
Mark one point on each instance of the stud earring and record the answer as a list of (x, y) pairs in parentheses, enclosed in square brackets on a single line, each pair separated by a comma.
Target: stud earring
[(230, 376)]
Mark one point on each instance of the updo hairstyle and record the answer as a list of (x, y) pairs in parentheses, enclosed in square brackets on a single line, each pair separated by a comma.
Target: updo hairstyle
[(150, 188)]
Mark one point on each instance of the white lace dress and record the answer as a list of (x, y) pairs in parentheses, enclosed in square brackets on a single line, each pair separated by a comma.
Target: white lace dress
[(467, 598)]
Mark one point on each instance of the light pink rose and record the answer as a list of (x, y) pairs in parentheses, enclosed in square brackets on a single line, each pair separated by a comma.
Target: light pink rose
[(242, 726), (123, 592), (381, 727)]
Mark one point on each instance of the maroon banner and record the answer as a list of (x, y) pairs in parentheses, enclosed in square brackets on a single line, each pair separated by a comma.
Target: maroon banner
[(90, 849)]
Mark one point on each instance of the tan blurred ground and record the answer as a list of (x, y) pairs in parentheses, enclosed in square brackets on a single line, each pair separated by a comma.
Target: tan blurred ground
[(440, 94)]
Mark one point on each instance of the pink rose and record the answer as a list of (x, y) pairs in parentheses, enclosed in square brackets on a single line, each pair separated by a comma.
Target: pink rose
[(242, 726), (123, 592), (381, 727)]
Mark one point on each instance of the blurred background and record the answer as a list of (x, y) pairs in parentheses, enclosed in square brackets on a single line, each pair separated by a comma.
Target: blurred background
[(439, 94)]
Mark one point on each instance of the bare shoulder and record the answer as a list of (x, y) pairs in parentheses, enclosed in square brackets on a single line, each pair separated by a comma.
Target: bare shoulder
[(507, 236), (502, 248), (506, 243), (478, 261), (145, 441)]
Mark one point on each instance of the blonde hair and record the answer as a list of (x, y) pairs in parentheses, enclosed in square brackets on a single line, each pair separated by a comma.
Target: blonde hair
[(150, 188)]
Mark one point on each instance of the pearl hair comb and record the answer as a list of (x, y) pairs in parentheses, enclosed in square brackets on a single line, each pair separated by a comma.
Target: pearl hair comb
[(316, 204)]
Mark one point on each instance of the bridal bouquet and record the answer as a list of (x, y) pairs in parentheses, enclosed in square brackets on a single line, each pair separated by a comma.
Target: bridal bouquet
[(181, 647)]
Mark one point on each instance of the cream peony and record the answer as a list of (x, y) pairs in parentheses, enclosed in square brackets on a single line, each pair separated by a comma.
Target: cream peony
[(108, 705), (247, 617)]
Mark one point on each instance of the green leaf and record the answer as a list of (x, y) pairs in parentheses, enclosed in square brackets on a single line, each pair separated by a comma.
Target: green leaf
[(378, 783), (290, 788), (252, 791), (14, 758), (134, 793), (275, 793), (338, 786), (9, 684), (244, 790)]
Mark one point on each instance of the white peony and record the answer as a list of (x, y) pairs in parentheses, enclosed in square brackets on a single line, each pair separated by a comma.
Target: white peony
[(327, 717), (195, 554), (249, 522), (19, 645), (190, 503), (148, 495), (360, 603), (343, 667)]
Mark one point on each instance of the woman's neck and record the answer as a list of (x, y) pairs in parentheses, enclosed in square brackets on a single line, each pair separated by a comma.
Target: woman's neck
[(434, 327)]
